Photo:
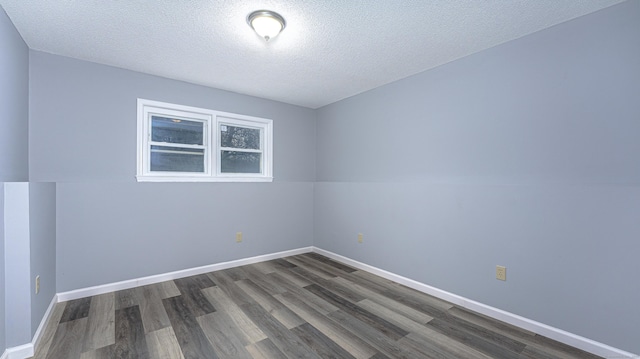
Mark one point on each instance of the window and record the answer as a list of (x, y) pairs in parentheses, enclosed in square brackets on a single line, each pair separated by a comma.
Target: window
[(186, 144)]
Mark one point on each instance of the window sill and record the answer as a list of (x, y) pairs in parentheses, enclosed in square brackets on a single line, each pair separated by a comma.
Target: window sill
[(201, 179)]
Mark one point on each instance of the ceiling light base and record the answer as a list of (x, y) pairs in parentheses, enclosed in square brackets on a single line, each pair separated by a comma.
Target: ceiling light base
[(266, 23)]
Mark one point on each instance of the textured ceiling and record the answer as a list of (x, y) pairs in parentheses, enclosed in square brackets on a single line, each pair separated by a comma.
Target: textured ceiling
[(330, 49)]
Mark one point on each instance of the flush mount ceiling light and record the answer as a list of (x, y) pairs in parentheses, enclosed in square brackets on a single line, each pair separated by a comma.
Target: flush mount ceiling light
[(265, 23)]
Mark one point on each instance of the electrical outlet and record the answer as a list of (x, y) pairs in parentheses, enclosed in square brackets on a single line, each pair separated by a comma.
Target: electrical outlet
[(359, 237), (501, 273), (238, 237), (37, 284)]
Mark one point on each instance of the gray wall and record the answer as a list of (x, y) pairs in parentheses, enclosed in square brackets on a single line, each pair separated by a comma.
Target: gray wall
[(2, 273), (14, 103), (524, 155), (17, 268), (74, 104), (111, 228), (42, 230), (14, 111)]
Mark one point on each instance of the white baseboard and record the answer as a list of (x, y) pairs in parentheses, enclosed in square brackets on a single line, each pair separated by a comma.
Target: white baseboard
[(560, 335), (44, 322), (112, 287), (19, 352), (28, 350)]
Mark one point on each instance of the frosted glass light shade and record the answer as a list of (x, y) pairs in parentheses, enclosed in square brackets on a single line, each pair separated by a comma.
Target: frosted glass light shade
[(265, 23)]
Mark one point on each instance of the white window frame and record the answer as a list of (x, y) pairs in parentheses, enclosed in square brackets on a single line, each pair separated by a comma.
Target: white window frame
[(212, 121)]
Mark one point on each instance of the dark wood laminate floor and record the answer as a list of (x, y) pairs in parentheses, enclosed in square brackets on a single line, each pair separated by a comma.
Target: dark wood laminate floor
[(304, 306)]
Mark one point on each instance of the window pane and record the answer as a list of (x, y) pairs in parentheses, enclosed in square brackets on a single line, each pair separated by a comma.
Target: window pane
[(240, 137), (174, 130), (173, 159), (240, 162)]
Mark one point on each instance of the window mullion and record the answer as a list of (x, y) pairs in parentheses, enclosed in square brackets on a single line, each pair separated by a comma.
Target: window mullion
[(172, 144), (240, 149)]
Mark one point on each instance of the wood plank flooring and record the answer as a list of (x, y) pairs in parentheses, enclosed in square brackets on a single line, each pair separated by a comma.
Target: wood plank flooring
[(305, 306)]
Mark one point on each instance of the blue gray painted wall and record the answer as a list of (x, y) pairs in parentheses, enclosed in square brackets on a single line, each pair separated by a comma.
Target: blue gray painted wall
[(14, 103), (17, 269), (2, 273), (523, 155), (14, 111), (83, 136), (42, 230)]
